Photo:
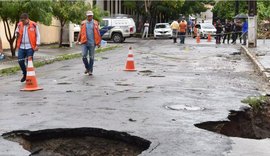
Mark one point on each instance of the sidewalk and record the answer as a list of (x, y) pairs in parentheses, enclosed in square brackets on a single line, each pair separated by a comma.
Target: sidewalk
[(44, 53), (260, 56), (49, 51)]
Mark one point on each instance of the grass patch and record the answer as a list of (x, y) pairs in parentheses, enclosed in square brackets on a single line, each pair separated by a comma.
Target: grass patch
[(256, 103), (13, 70)]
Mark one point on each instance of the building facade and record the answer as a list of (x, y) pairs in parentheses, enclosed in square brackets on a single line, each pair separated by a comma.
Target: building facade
[(114, 7)]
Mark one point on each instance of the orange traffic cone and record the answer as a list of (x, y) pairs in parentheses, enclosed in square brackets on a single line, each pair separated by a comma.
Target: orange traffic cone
[(31, 81), (130, 65), (198, 39), (209, 38)]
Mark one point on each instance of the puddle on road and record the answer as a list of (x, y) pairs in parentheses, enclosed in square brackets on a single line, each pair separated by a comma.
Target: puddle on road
[(179, 107), (157, 76), (79, 142), (146, 72), (123, 84), (64, 83), (253, 123)]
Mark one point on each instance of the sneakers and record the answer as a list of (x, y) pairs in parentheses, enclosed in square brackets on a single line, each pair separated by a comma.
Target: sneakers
[(23, 78), (86, 71)]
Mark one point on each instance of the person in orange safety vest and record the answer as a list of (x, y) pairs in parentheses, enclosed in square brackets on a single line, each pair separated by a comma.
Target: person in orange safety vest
[(28, 41), (89, 37), (182, 30)]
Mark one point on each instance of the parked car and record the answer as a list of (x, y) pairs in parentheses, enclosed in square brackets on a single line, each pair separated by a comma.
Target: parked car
[(76, 30), (206, 28), (162, 30), (123, 28)]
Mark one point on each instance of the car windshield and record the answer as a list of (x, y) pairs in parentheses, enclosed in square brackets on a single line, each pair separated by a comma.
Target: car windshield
[(162, 26), (207, 26)]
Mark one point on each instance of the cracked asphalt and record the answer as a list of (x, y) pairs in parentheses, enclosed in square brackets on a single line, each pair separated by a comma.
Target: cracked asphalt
[(205, 81)]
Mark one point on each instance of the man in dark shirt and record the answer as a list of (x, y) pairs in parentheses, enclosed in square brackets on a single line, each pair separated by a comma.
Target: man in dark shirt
[(219, 31), (237, 31), (228, 31)]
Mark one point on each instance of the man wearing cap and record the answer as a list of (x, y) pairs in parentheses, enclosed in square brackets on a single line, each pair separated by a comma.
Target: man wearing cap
[(28, 41), (89, 37)]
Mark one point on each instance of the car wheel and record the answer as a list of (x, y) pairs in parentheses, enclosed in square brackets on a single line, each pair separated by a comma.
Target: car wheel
[(117, 38)]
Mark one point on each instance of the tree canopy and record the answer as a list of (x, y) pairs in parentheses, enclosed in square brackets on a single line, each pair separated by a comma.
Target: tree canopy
[(226, 9), (264, 10), (166, 10)]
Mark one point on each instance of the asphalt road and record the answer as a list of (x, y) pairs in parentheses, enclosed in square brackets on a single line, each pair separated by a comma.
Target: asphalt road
[(204, 78)]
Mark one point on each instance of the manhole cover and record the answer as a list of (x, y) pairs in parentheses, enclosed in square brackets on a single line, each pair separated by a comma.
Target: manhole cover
[(183, 107), (79, 142)]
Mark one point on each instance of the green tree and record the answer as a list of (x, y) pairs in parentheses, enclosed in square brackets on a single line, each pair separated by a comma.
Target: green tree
[(10, 11), (226, 9), (263, 10), (193, 7), (166, 10), (68, 11), (138, 7), (98, 13)]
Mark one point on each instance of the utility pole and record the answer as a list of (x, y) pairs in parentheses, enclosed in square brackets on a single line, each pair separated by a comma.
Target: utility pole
[(252, 23), (236, 7)]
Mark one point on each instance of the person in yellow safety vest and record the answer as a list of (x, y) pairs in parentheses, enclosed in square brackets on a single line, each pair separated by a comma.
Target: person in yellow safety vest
[(174, 27), (182, 30), (89, 37)]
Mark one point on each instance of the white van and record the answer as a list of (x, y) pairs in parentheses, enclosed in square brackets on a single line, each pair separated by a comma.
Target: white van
[(123, 28)]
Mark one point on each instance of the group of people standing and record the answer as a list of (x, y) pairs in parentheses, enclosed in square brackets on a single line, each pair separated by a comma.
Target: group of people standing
[(181, 28), (231, 31)]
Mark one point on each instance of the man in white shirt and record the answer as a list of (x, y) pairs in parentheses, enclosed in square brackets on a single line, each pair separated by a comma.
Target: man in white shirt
[(146, 29), (28, 41)]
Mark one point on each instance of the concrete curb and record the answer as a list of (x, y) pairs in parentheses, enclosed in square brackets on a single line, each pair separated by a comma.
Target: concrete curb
[(54, 58), (256, 62)]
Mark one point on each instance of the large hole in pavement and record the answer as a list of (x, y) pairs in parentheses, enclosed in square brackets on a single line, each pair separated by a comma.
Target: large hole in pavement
[(79, 142), (250, 122)]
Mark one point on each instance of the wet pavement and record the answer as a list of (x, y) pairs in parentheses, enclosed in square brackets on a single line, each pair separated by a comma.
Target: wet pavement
[(200, 82), (45, 52), (260, 56)]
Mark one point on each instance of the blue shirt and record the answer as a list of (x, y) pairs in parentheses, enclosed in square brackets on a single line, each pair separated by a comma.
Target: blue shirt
[(245, 27), (90, 33)]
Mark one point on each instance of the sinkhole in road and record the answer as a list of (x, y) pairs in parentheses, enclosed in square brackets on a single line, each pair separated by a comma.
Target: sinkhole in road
[(79, 142), (247, 123)]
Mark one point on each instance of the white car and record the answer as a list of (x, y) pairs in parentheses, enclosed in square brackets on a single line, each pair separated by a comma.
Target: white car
[(76, 30), (123, 27), (205, 29), (162, 30)]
